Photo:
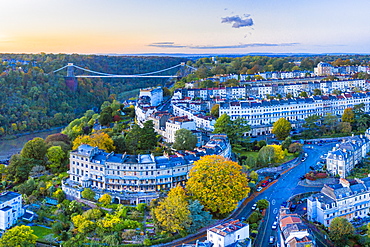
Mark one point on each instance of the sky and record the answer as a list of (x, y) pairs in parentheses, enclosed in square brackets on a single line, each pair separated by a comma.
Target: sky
[(189, 26)]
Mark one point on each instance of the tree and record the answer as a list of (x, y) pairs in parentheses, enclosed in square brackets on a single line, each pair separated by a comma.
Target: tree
[(55, 156), (204, 183), (119, 144), (348, 115), (340, 230), (106, 116), (281, 128), (253, 175), (99, 139), (88, 193), (344, 127), (286, 143), (266, 155), (262, 204), (235, 130), (105, 199), (330, 121), (199, 217), (317, 91), (147, 138), (59, 195), (173, 214), (18, 236), (185, 140), (303, 94), (19, 168), (132, 140), (34, 149), (295, 148), (215, 110), (278, 153)]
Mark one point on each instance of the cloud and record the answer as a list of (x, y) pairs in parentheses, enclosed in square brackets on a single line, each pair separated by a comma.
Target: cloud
[(238, 21), (167, 45), (208, 47)]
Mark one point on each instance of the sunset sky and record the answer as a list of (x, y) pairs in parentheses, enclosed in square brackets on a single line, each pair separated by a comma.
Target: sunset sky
[(196, 27)]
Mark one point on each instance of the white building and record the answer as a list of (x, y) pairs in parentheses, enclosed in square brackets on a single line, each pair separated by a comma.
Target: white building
[(174, 124), (292, 231), (155, 95), (323, 69), (344, 156), (10, 209), (228, 233), (347, 200), (266, 112)]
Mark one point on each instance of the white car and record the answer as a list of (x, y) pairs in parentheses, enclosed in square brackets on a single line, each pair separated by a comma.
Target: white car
[(271, 239), (254, 206), (274, 225), (259, 189)]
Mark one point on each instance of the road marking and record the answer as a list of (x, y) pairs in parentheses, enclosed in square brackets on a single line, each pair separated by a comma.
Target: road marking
[(275, 210), (273, 202)]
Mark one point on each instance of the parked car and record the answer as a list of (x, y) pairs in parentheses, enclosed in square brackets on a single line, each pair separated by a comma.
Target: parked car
[(265, 183), (274, 225), (293, 207), (271, 239), (303, 159), (254, 206), (259, 188)]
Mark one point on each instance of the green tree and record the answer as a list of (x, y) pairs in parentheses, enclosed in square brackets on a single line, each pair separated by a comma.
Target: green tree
[(266, 155), (199, 217), (105, 199), (262, 204), (19, 168), (348, 115), (344, 127), (18, 236), (119, 144), (317, 91), (303, 94), (34, 149), (173, 214), (148, 138), (59, 195), (88, 193), (340, 230), (132, 140), (235, 130), (330, 121), (295, 147), (286, 143), (184, 140), (215, 110), (281, 128), (204, 184), (55, 157)]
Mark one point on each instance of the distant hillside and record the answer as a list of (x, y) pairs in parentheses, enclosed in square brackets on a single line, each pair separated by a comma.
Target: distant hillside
[(32, 99)]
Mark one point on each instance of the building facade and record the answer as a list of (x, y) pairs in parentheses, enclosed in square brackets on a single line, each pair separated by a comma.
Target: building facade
[(344, 156), (292, 231), (266, 112), (10, 209), (154, 94), (228, 233), (133, 179), (348, 199)]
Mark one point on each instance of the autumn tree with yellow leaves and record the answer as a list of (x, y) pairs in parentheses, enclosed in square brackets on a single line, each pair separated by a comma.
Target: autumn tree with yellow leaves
[(172, 213), (218, 183), (99, 139)]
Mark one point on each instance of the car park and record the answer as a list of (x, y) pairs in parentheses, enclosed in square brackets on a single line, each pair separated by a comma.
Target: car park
[(254, 206), (259, 188)]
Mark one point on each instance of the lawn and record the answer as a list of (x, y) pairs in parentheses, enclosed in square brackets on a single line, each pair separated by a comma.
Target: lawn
[(40, 231)]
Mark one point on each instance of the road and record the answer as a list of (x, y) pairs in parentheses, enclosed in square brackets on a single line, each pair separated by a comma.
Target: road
[(283, 189), (276, 193)]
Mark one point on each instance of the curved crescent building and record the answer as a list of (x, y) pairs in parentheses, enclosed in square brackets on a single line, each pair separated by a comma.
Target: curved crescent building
[(133, 179)]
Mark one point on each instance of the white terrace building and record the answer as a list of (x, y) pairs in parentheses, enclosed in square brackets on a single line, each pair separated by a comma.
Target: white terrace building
[(266, 112), (347, 200), (10, 209)]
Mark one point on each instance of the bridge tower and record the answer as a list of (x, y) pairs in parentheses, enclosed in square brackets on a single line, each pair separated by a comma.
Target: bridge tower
[(70, 79)]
